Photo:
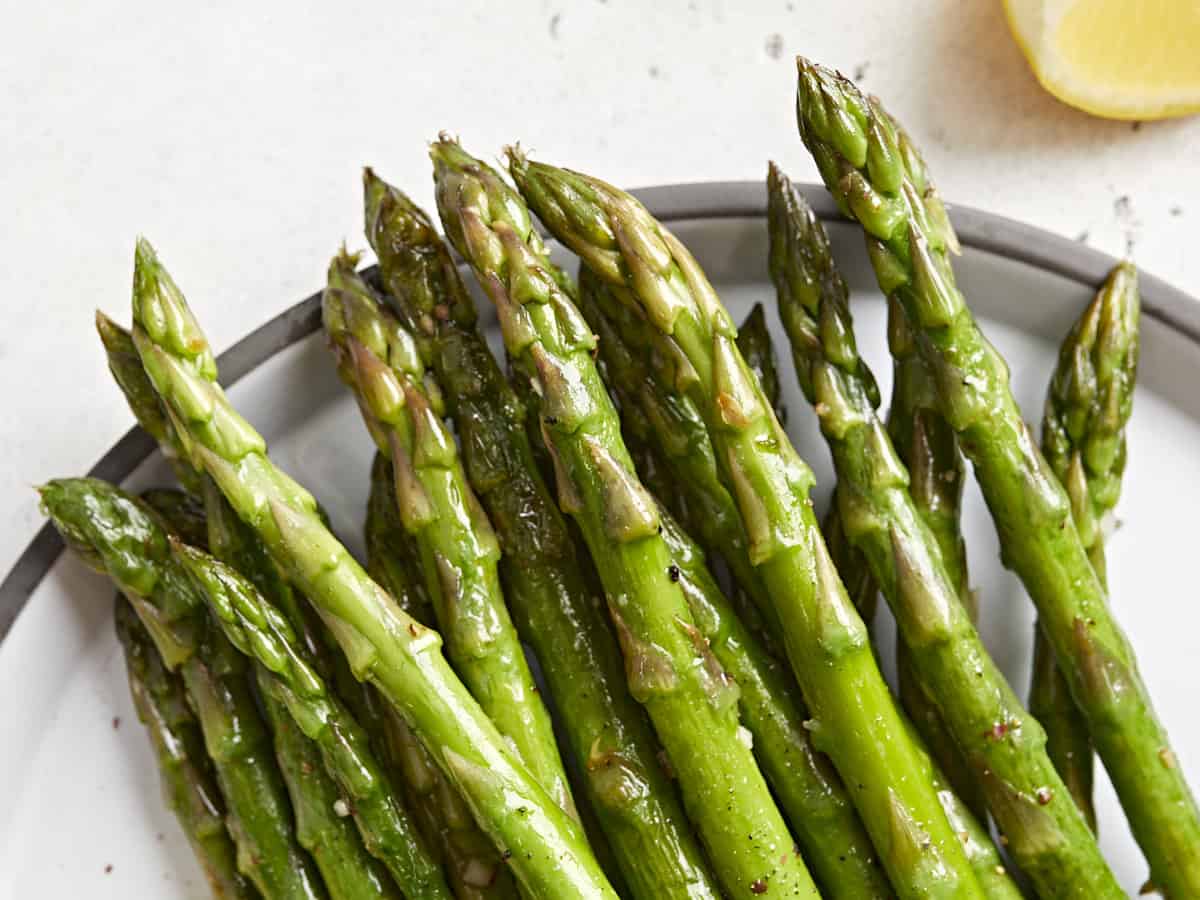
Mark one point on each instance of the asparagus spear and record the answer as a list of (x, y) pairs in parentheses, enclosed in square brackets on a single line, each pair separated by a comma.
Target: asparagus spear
[(262, 632), (186, 772), (878, 177), (1088, 404), (670, 669), (378, 359), (1004, 746), (554, 609), (928, 447), (116, 535), (337, 775), (822, 817), (854, 719), (346, 869), (816, 803), (545, 847), (473, 866)]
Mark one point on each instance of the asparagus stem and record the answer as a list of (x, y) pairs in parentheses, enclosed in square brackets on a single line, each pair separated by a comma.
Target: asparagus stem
[(321, 753), (386, 646), (554, 608), (670, 669), (1004, 746), (928, 447), (346, 868), (188, 784), (261, 631), (473, 866), (119, 536), (1088, 404), (379, 359), (854, 718), (878, 177), (814, 799)]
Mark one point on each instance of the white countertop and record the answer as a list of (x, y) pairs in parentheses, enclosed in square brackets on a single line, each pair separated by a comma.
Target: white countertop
[(233, 140)]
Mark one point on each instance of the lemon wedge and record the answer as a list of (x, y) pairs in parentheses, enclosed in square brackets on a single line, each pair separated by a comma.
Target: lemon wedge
[(1121, 59)]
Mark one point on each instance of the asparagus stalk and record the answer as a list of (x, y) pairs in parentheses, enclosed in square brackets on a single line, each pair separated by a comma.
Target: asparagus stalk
[(878, 177), (262, 632), (854, 719), (823, 819), (1088, 404), (189, 787), (346, 868), (928, 447), (1003, 744), (554, 608), (545, 847), (335, 774), (379, 360), (670, 669), (816, 803), (116, 535), (473, 866)]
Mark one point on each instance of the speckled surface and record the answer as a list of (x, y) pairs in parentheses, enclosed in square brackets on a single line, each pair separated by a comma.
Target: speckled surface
[(233, 140)]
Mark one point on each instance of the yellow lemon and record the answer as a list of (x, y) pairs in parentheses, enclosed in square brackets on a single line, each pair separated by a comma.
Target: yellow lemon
[(1122, 59)]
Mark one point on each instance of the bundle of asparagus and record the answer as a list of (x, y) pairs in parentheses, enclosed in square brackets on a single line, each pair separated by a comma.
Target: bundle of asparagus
[(714, 722)]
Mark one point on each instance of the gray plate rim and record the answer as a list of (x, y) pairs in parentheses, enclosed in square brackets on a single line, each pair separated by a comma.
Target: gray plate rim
[(976, 228)]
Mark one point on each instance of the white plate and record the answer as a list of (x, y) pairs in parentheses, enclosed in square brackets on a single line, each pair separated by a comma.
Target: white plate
[(80, 810)]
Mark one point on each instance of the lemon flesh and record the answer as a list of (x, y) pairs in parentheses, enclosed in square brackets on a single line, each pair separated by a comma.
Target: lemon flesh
[(1123, 59)]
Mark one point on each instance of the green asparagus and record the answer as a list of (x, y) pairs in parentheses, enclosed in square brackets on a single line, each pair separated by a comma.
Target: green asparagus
[(322, 743), (928, 447), (854, 719), (1083, 438), (670, 669), (472, 864), (262, 632), (878, 177), (1004, 746), (346, 869), (816, 803), (555, 611), (188, 784), (544, 846), (116, 535), (378, 359)]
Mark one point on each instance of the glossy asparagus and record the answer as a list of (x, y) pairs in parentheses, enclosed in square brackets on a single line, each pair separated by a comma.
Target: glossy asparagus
[(546, 848), (553, 606), (189, 786), (319, 745), (670, 669), (1088, 404), (346, 869), (854, 718), (117, 535), (1002, 743), (928, 447), (473, 866), (262, 632), (812, 796), (378, 358), (878, 177)]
